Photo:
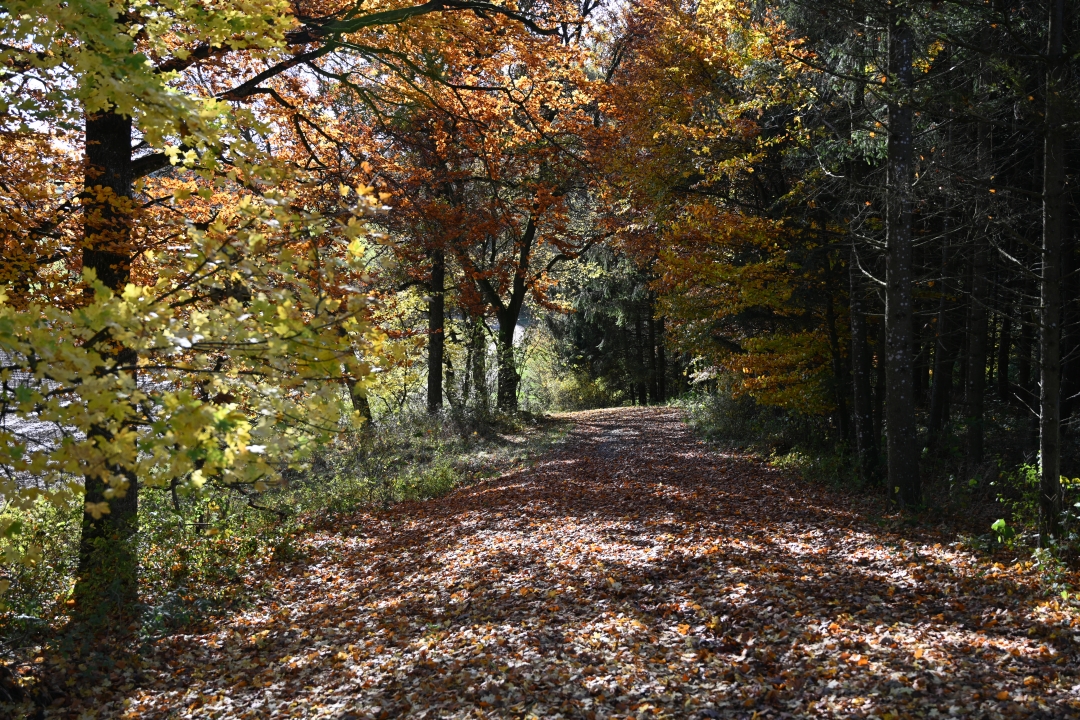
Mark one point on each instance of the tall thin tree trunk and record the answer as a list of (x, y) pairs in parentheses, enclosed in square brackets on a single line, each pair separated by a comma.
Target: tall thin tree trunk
[(976, 373), (639, 359), (840, 372), (920, 360), (978, 326), (1054, 209), (654, 382), (1004, 343), (903, 473), (866, 444), (944, 363), (1023, 358), (436, 331), (479, 353), (879, 386), (945, 349), (106, 591), (628, 358), (661, 363)]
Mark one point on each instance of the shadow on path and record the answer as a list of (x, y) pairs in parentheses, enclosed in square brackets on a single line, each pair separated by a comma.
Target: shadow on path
[(630, 573)]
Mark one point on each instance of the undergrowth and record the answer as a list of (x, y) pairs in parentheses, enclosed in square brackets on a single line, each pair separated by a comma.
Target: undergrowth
[(992, 508), (200, 551), (803, 443)]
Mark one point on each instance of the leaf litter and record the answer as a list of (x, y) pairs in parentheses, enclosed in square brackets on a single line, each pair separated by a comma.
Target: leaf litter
[(630, 573)]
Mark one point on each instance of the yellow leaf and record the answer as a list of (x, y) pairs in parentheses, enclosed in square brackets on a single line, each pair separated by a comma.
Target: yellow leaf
[(96, 510)]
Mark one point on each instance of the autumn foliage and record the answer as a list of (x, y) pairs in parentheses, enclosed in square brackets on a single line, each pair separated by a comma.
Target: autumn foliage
[(269, 265)]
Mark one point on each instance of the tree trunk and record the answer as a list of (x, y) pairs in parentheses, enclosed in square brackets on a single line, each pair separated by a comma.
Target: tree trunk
[(866, 444), (944, 360), (661, 363), (840, 372), (879, 387), (976, 373), (479, 354), (360, 404), (654, 382), (920, 360), (436, 331), (947, 340), (507, 393), (628, 358), (1053, 221), (508, 313), (1004, 343), (903, 453), (106, 591), (1023, 360), (639, 359)]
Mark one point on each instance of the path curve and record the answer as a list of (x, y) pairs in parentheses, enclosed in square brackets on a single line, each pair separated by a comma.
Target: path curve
[(630, 573)]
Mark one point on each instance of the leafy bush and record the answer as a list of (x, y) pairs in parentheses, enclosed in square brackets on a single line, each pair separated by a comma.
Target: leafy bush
[(40, 557), (576, 390), (796, 441), (736, 419), (1018, 493)]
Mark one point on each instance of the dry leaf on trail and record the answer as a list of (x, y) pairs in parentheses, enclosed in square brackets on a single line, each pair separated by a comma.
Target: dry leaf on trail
[(631, 573)]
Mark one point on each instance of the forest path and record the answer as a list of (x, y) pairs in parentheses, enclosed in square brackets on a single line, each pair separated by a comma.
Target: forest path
[(631, 572)]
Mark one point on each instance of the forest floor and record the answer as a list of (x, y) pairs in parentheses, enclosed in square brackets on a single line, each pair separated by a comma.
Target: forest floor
[(630, 572)]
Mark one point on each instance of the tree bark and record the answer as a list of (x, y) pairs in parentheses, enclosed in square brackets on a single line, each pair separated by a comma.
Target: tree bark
[(478, 354), (106, 589), (1053, 222), (1023, 358), (976, 373), (508, 313), (920, 360), (1004, 345), (507, 393), (661, 362), (866, 444), (944, 361), (360, 404), (840, 372), (879, 387), (945, 350), (436, 331), (509, 379), (903, 456), (654, 381), (639, 359)]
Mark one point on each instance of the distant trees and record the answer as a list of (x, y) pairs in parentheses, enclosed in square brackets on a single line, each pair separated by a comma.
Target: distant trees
[(483, 134), (861, 208), (613, 330)]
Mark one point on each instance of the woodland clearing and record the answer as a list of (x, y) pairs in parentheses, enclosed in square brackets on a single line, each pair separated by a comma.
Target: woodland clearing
[(630, 572)]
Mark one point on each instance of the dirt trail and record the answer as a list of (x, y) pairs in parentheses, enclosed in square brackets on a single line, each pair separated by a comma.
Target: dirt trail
[(630, 573)]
